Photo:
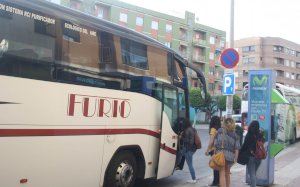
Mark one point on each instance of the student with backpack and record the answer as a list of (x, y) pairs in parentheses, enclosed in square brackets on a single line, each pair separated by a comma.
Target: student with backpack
[(252, 151), (191, 142)]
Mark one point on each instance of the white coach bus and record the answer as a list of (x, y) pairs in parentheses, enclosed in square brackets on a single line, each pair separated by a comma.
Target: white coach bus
[(84, 102)]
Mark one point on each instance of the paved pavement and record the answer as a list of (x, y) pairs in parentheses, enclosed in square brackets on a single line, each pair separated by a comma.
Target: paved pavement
[(287, 169)]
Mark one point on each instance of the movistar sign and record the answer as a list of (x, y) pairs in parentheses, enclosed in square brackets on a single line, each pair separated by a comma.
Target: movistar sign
[(260, 80)]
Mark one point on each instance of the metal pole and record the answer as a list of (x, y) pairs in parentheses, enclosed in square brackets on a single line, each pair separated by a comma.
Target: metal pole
[(229, 100)]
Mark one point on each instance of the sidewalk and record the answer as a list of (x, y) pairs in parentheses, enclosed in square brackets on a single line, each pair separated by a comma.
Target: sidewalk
[(287, 170)]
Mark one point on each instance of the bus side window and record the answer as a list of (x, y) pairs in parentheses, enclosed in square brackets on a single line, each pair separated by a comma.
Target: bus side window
[(26, 48)]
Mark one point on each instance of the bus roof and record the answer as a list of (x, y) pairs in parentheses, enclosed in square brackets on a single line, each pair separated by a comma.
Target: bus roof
[(81, 17)]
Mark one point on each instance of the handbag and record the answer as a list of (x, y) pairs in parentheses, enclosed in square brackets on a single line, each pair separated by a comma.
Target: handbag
[(243, 157), (197, 140), (217, 161)]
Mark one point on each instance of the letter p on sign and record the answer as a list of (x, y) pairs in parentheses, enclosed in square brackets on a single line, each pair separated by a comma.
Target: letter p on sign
[(229, 84)]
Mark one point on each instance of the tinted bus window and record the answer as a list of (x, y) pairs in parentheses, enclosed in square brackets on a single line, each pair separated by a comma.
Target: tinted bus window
[(27, 43), (134, 54)]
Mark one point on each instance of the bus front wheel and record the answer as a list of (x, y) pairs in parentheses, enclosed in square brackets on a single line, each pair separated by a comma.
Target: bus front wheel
[(122, 171)]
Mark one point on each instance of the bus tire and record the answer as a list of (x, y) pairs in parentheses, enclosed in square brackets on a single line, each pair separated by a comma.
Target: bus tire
[(122, 170)]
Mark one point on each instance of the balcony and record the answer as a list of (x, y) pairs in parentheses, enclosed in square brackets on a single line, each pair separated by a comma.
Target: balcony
[(199, 42), (183, 37), (183, 54), (200, 59), (218, 64)]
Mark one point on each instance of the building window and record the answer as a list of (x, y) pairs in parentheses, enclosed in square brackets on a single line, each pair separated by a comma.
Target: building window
[(168, 44), (168, 28), (287, 75), (222, 44), (123, 17), (139, 21), (292, 64), (211, 56), (293, 76), (154, 25), (100, 13), (287, 63), (183, 35), (211, 86), (248, 48), (212, 40), (69, 34), (75, 4), (134, 54), (248, 60), (278, 48), (54, 1), (211, 70)]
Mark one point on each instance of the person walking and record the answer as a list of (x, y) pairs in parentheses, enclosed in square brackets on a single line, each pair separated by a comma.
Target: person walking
[(228, 142), (248, 149), (214, 125), (189, 148)]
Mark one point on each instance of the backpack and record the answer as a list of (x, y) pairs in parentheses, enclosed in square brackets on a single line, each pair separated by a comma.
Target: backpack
[(260, 152), (197, 140)]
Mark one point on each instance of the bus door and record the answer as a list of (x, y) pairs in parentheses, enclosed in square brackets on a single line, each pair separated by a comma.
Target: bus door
[(168, 138)]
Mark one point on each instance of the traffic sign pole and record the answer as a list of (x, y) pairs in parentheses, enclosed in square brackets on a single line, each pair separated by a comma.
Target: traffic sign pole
[(229, 100)]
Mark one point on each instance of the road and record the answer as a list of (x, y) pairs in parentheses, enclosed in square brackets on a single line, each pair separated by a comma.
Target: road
[(180, 177)]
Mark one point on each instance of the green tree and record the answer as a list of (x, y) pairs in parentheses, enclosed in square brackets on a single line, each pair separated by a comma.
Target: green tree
[(207, 104), (196, 98), (221, 102), (237, 103)]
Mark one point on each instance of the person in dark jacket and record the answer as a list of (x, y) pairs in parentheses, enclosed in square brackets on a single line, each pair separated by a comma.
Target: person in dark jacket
[(189, 148), (249, 147)]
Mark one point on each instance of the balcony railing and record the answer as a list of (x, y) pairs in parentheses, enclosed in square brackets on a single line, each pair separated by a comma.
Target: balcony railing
[(199, 59), (183, 37), (183, 54), (199, 42)]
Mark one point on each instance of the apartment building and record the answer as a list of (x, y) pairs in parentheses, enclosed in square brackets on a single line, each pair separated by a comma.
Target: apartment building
[(197, 43), (274, 53)]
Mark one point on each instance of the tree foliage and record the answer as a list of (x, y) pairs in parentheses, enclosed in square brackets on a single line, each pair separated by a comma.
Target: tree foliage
[(207, 104), (221, 100)]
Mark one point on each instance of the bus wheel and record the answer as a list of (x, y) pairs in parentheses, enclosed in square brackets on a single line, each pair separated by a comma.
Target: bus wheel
[(122, 170)]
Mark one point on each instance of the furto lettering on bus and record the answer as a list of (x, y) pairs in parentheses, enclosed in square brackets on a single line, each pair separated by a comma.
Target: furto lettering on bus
[(97, 106)]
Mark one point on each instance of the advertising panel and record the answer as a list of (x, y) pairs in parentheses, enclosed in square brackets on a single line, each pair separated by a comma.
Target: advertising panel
[(259, 108)]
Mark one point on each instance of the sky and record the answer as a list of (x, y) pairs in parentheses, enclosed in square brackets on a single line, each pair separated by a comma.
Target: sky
[(274, 18)]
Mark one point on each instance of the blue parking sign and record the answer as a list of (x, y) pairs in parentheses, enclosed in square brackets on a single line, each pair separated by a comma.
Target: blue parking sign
[(229, 84)]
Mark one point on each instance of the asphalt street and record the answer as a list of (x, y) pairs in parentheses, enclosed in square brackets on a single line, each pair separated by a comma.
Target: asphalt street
[(200, 164)]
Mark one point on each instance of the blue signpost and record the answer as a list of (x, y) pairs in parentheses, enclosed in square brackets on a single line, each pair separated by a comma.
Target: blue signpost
[(229, 59), (229, 84), (259, 108)]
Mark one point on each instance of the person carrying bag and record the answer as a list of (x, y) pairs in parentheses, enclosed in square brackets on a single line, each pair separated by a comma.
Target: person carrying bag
[(252, 151), (190, 145), (227, 145)]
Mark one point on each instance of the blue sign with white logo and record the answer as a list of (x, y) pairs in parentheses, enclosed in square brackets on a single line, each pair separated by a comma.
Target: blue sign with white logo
[(229, 84), (259, 108)]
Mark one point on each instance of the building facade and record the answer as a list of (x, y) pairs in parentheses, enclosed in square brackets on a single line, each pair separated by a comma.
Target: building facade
[(273, 53), (197, 43)]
